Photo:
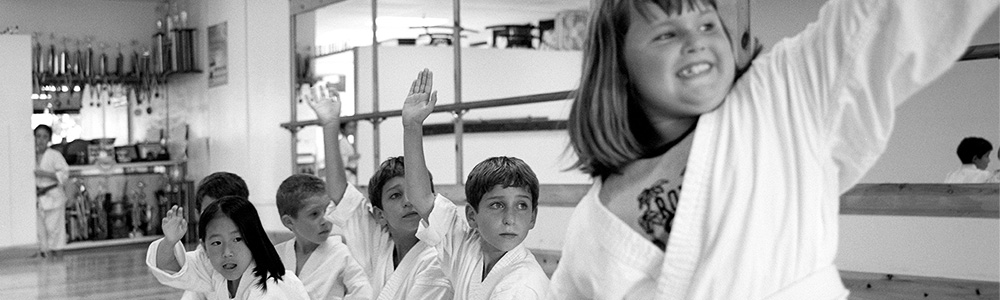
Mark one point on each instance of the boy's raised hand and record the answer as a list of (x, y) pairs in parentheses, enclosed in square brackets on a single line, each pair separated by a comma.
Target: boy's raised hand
[(421, 99), (324, 101), (174, 225)]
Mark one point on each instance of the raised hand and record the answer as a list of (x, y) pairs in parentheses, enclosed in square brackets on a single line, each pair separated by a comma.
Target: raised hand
[(174, 225), (324, 101), (421, 99)]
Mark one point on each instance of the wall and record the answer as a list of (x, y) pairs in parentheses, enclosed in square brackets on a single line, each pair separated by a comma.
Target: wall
[(17, 198), (235, 127), (111, 22), (958, 248), (487, 74)]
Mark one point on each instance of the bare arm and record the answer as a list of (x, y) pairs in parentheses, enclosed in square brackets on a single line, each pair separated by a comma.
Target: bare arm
[(418, 105), (174, 228), (326, 103)]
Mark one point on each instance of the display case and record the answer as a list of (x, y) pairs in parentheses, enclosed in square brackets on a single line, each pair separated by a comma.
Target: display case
[(117, 203)]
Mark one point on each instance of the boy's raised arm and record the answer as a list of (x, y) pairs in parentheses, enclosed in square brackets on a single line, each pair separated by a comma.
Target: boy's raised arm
[(326, 103), (418, 105)]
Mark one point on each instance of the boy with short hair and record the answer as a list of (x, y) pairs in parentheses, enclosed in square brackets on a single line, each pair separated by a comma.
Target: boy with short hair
[(481, 249), (380, 233), (324, 264), (974, 152)]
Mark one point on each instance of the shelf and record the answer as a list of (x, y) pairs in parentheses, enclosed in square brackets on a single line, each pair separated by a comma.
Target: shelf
[(114, 166), (77, 245)]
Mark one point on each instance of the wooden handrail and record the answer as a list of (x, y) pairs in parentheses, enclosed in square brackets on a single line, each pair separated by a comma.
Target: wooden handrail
[(518, 100), (981, 52), (887, 199), (932, 200)]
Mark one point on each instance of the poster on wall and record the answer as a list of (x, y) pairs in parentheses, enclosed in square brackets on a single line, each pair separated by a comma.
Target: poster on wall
[(217, 52)]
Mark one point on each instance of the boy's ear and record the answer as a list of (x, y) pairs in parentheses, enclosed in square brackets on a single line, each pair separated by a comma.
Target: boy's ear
[(534, 215), (288, 221), (379, 215), (470, 215)]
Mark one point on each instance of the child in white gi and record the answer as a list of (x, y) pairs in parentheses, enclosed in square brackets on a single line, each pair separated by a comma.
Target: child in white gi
[(481, 248), (323, 263), (244, 264), (974, 152), (381, 234), (212, 187), (762, 157)]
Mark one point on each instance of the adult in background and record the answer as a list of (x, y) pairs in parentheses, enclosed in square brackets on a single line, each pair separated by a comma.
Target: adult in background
[(51, 173)]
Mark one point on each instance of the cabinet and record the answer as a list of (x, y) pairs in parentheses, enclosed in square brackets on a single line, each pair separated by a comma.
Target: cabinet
[(124, 203)]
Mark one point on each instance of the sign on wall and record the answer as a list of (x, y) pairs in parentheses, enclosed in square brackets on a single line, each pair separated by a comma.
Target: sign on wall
[(217, 55)]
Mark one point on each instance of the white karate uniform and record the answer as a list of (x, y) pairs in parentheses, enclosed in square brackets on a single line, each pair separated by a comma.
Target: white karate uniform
[(517, 275), (419, 274), (192, 295), (51, 214), (758, 212), (330, 271), (968, 173), (194, 276)]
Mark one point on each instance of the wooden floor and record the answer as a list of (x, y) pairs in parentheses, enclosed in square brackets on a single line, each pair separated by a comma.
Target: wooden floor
[(105, 273), (120, 273)]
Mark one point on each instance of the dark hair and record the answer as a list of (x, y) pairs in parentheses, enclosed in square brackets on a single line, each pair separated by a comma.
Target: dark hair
[(343, 126), (504, 171), (245, 216), (296, 188), (43, 127), (221, 184), (973, 147), (389, 169), (605, 119)]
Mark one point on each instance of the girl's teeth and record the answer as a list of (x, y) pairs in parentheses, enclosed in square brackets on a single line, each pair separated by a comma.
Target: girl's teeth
[(695, 69)]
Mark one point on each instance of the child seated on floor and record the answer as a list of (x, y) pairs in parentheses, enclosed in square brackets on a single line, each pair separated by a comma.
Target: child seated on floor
[(212, 187), (323, 263), (974, 152), (244, 264), (481, 250), (380, 233)]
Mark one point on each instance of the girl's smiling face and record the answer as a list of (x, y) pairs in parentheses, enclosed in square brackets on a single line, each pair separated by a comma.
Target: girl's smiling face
[(681, 64), (226, 249)]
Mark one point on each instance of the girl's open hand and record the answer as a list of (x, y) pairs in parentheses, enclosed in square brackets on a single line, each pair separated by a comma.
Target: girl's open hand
[(324, 101), (174, 225), (421, 100)]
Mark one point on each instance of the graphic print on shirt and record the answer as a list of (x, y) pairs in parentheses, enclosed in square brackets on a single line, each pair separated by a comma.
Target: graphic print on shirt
[(658, 205)]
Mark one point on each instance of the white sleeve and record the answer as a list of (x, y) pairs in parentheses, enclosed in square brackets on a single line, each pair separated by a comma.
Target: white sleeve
[(288, 288), (355, 279), (193, 275), (189, 295), (359, 228), (60, 167), (858, 61), (447, 230)]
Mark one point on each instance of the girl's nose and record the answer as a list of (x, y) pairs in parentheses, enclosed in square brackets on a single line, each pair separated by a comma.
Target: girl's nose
[(694, 44)]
